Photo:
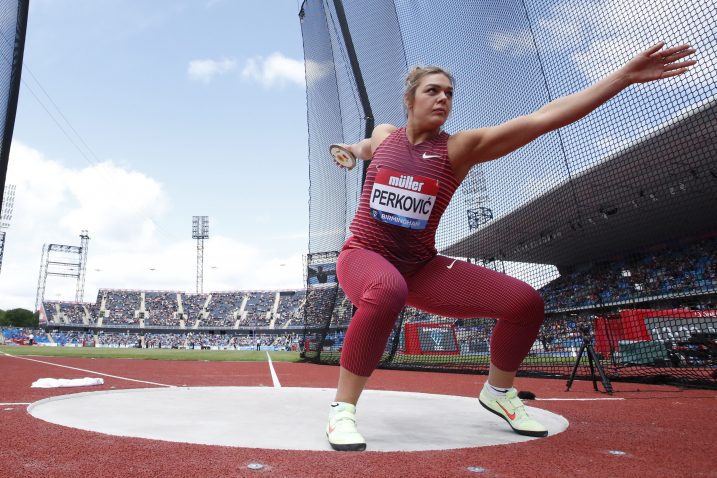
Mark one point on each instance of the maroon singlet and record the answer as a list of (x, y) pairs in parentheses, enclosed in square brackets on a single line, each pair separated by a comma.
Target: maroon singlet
[(407, 189)]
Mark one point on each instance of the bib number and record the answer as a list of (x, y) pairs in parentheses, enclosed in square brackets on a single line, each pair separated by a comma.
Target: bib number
[(402, 200)]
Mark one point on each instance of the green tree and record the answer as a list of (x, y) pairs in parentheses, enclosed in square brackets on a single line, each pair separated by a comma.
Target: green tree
[(21, 318)]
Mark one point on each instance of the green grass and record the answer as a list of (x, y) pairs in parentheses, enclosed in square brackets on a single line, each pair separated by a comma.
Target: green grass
[(154, 354), (458, 359), (252, 355)]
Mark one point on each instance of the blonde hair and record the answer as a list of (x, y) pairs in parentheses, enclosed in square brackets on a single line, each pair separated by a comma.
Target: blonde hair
[(417, 73)]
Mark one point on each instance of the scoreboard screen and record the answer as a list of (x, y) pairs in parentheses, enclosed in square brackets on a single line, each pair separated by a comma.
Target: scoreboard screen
[(437, 339)]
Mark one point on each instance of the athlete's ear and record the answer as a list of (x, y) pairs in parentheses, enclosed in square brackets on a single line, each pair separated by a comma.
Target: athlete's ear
[(407, 103)]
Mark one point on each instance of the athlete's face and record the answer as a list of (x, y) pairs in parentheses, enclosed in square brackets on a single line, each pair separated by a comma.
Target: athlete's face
[(432, 101)]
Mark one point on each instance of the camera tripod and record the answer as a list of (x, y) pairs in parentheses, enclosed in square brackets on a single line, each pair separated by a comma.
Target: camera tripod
[(594, 362)]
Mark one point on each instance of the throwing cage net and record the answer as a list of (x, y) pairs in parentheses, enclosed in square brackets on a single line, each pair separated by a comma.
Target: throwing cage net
[(611, 218), (13, 24)]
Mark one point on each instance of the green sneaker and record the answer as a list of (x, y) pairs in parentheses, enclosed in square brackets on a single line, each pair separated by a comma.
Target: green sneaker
[(510, 408), (341, 429)]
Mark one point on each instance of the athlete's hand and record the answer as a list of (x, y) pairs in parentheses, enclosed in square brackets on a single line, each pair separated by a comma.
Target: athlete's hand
[(336, 162), (655, 63), (350, 148)]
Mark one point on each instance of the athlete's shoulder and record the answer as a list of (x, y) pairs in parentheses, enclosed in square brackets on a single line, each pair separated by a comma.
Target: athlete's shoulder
[(385, 127), (383, 130), (444, 138), (380, 133)]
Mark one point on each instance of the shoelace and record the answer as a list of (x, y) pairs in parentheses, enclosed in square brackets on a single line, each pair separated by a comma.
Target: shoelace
[(516, 404)]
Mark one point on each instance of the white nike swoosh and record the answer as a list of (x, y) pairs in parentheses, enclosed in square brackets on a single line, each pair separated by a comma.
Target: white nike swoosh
[(429, 156)]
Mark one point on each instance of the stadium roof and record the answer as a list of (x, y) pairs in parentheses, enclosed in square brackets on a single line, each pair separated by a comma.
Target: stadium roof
[(662, 188)]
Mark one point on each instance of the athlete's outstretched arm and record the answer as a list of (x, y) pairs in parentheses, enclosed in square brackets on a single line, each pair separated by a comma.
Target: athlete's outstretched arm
[(479, 145), (365, 148)]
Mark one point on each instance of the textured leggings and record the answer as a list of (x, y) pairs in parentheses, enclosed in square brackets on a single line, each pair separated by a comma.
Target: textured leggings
[(379, 292)]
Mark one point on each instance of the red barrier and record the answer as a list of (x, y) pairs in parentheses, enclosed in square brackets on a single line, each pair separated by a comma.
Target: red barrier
[(649, 324), (425, 338)]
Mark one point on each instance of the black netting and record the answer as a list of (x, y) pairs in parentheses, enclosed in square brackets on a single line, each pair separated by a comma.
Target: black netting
[(610, 218), (13, 24)]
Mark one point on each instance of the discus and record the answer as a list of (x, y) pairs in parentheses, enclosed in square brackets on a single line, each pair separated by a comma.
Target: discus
[(342, 156)]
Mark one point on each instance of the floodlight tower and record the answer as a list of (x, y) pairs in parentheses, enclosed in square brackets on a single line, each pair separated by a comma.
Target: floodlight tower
[(63, 261), (200, 231), (476, 199), (8, 201), (475, 196)]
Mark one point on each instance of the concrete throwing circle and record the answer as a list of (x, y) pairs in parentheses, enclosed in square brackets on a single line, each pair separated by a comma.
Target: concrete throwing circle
[(284, 418)]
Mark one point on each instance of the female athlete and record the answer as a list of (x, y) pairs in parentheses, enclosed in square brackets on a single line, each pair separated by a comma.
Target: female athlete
[(390, 260)]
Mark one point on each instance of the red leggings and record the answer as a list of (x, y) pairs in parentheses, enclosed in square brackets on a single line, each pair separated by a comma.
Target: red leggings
[(379, 291)]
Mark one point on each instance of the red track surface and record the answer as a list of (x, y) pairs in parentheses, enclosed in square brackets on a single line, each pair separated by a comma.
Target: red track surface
[(664, 431)]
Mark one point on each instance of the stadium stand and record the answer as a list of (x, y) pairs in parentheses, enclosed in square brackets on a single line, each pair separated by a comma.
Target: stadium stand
[(123, 307), (193, 308), (224, 309), (289, 312), (73, 313), (319, 304), (161, 309), (286, 341), (118, 340), (258, 309), (52, 312), (661, 274), (72, 339)]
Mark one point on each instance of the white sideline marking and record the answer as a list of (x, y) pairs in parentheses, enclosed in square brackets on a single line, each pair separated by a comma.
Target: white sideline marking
[(274, 378), (5, 404), (90, 371), (579, 399)]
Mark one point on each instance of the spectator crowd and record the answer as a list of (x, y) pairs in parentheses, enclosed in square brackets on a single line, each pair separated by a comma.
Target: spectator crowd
[(690, 269)]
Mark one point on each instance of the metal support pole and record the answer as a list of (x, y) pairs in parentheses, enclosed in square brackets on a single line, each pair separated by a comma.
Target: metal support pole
[(358, 77), (42, 278), (200, 266), (84, 242)]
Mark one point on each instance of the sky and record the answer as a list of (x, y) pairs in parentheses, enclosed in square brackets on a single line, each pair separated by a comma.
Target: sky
[(135, 116)]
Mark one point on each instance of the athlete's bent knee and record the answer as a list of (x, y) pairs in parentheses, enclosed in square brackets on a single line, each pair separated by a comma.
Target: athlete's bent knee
[(531, 307), (390, 292)]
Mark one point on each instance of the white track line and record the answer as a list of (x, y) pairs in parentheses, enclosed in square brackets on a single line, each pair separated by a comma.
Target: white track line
[(579, 399), (7, 404), (274, 378), (89, 371)]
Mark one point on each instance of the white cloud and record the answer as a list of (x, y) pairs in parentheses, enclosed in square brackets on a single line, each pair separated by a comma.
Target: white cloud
[(276, 70), (610, 32), (317, 71), (103, 197), (121, 209), (517, 42), (205, 70)]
